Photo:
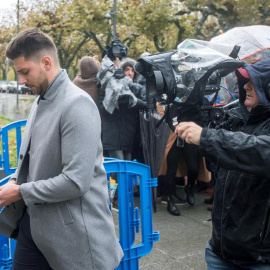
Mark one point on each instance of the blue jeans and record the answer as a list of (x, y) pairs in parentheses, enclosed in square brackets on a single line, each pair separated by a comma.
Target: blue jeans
[(215, 262)]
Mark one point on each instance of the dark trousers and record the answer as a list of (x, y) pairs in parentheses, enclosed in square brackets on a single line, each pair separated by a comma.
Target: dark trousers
[(119, 154), (191, 155), (27, 256)]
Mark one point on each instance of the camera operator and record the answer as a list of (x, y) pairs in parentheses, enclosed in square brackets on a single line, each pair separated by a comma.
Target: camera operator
[(119, 127), (241, 149)]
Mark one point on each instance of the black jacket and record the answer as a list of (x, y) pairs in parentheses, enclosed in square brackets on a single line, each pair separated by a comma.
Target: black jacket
[(241, 210), (119, 128)]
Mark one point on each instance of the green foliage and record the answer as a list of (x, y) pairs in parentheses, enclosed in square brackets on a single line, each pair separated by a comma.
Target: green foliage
[(79, 27), (5, 121)]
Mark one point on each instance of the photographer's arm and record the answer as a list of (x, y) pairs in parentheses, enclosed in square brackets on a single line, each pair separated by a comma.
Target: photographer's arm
[(237, 150), (229, 150), (140, 104)]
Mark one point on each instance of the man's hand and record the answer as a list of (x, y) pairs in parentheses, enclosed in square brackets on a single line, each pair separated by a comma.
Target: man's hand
[(189, 132), (117, 62), (96, 58), (9, 193)]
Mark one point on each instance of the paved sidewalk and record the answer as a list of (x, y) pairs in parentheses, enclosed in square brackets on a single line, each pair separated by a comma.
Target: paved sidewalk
[(182, 239), (8, 105)]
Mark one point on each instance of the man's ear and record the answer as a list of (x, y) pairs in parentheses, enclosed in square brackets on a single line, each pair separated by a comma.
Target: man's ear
[(46, 62)]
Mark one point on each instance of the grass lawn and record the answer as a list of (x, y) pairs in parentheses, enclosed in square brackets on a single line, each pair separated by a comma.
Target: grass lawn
[(11, 141), (5, 121)]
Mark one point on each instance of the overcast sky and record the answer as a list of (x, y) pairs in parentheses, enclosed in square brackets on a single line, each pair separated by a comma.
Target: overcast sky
[(7, 3)]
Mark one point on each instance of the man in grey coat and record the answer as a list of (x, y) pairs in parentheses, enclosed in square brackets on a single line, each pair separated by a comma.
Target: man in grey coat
[(59, 190)]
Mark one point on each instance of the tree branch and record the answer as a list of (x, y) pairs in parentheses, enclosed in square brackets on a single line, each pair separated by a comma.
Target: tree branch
[(157, 45), (92, 35), (75, 51)]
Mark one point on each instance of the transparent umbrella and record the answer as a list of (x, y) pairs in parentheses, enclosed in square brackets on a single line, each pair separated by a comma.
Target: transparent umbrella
[(254, 40)]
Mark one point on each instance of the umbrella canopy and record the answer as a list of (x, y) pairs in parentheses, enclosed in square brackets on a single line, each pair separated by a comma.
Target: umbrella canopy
[(253, 40)]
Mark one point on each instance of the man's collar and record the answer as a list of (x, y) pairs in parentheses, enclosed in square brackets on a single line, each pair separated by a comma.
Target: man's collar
[(50, 92)]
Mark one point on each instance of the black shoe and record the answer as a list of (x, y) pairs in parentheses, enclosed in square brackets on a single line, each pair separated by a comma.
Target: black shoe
[(200, 186), (190, 195), (172, 208), (209, 200), (177, 200)]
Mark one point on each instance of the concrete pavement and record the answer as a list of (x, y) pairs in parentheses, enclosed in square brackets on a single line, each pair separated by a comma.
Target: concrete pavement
[(182, 239)]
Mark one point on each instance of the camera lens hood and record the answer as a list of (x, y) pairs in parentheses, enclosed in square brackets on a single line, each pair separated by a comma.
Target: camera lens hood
[(155, 84)]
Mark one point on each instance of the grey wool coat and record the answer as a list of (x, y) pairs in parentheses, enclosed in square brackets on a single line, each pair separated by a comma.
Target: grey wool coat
[(63, 181)]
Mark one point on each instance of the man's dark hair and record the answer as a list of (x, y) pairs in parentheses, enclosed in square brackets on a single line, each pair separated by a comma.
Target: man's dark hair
[(31, 43)]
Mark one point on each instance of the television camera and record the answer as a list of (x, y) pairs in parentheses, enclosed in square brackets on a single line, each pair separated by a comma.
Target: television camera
[(184, 77), (115, 49)]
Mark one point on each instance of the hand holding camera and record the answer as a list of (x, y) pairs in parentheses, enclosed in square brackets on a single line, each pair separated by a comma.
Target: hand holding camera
[(189, 132)]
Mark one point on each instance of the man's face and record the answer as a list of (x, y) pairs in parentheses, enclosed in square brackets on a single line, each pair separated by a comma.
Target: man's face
[(32, 73), (252, 99), (129, 71)]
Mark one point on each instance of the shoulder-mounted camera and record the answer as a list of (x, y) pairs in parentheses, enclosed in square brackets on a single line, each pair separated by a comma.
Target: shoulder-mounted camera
[(185, 76), (115, 49)]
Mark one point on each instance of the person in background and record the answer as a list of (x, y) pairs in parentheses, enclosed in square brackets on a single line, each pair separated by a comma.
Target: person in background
[(241, 150), (87, 77), (174, 165), (119, 128), (58, 194)]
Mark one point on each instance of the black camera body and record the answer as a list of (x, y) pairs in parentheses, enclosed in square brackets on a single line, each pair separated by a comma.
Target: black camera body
[(160, 80), (184, 77), (115, 49)]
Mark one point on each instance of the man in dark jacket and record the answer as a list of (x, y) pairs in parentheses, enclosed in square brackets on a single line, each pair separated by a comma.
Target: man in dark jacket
[(241, 149)]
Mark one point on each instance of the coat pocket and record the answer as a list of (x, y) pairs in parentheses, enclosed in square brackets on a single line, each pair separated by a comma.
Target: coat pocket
[(65, 213)]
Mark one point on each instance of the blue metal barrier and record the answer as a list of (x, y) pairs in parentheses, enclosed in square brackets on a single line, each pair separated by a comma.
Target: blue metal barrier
[(129, 221), (7, 245), (4, 162)]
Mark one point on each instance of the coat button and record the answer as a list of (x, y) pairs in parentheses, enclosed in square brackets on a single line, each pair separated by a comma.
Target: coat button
[(21, 156)]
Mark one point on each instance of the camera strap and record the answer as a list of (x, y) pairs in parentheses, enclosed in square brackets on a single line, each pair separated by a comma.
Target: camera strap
[(102, 73), (167, 117), (104, 85)]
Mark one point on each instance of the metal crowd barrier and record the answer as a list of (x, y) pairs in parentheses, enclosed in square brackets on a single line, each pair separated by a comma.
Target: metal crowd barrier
[(130, 220)]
